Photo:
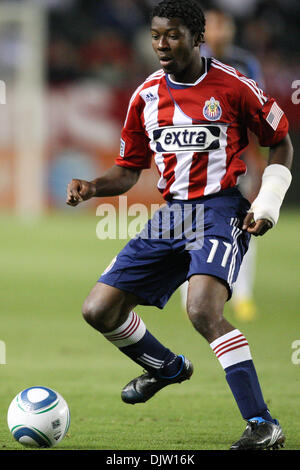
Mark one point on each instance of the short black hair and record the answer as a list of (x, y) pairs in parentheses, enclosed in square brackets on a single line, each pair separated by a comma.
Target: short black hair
[(189, 11)]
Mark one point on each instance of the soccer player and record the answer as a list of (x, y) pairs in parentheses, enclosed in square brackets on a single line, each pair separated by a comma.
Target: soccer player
[(192, 117)]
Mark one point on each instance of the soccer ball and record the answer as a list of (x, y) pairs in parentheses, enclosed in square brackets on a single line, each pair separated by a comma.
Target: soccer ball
[(38, 417)]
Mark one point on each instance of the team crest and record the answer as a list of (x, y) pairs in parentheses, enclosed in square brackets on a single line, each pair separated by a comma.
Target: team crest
[(212, 109)]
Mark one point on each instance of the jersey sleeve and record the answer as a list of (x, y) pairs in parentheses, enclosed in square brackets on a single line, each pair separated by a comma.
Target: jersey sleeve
[(134, 148), (262, 115)]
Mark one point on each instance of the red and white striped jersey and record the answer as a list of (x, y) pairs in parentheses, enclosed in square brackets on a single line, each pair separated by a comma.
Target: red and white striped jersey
[(197, 132)]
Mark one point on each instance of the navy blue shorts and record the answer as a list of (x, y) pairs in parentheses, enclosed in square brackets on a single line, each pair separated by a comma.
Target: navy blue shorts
[(202, 236)]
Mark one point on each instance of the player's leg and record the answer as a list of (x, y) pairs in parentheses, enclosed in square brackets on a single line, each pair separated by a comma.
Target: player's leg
[(106, 307), (110, 311), (206, 298), (144, 272)]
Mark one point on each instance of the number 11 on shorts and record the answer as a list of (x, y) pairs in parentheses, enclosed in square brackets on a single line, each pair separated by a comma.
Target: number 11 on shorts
[(215, 244)]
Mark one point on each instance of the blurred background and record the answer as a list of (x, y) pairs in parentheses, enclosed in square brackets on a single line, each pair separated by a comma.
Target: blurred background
[(70, 67)]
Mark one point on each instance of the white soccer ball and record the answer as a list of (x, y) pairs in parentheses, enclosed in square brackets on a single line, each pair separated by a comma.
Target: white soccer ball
[(38, 417)]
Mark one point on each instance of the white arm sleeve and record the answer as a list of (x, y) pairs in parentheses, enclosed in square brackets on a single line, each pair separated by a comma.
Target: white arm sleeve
[(276, 180)]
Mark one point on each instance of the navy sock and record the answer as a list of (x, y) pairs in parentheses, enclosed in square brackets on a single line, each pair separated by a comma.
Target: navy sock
[(233, 353), (151, 354), (134, 340), (243, 382)]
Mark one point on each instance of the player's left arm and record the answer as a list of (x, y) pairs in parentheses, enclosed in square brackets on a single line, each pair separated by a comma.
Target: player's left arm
[(276, 179)]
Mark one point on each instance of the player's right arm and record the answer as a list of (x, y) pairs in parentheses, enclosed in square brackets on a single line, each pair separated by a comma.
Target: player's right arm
[(115, 181), (135, 155)]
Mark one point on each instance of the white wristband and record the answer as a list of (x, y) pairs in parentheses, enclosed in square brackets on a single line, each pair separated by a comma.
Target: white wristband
[(276, 180)]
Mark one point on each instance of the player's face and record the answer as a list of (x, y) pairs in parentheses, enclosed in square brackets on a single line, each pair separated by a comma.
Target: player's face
[(175, 47)]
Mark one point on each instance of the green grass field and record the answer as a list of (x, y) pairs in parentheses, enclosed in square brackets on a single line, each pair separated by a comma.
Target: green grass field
[(47, 269)]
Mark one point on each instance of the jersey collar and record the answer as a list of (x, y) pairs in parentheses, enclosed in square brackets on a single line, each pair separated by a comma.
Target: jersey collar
[(180, 86)]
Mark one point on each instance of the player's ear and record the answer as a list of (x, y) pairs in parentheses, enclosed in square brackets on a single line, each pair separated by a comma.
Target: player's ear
[(197, 39)]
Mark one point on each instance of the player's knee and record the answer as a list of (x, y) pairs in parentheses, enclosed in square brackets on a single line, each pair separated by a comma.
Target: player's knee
[(204, 317), (89, 311), (94, 313), (101, 314)]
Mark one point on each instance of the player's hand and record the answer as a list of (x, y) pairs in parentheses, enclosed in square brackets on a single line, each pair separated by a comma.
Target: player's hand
[(79, 191), (260, 227)]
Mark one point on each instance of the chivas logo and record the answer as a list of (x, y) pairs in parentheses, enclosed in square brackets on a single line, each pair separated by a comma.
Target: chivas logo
[(212, 109)]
